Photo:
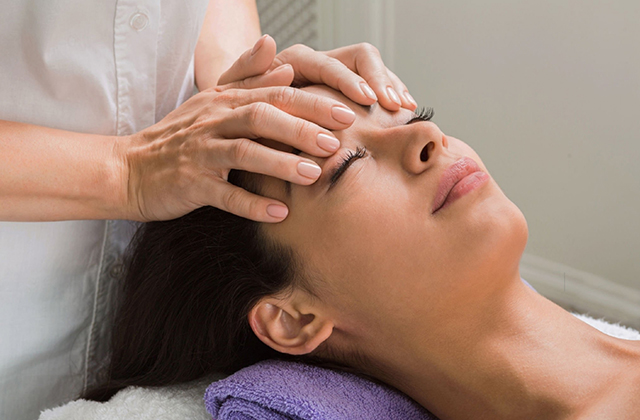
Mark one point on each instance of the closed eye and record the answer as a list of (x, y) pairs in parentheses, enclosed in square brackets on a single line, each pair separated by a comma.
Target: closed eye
[(424, 114), (344, 164)]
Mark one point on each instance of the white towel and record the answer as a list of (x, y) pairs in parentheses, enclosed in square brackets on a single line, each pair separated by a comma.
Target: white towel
[(179, 402), (185, 401)]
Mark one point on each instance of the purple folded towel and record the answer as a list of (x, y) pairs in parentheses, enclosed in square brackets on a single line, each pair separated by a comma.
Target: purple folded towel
[(279, 390)]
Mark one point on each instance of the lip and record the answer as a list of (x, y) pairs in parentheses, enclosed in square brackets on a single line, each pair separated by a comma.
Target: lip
[(460, 169)]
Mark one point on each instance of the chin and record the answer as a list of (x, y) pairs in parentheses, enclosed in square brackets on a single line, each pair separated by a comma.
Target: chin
[(495, 236)]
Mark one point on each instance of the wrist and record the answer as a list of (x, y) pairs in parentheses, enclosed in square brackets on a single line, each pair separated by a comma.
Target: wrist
[(122, 206)]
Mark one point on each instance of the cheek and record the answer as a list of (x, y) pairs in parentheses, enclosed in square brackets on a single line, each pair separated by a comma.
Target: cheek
[(379, 247)]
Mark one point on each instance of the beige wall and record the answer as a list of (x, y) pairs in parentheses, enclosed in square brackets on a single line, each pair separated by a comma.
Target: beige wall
[(548, 93)]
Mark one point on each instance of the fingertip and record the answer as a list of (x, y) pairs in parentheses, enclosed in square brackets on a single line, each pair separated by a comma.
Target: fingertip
[(288, 70), (342, 114), (280, 76), (411, 103), (393, 96), (389, 99), (389, 104), (263, 53), (270, 43), (269, 38), (259, 43), (277, 212), (363, 95), (368, 92)]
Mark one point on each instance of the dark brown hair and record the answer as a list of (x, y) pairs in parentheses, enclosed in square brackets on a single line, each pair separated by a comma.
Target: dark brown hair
[(188, 286)]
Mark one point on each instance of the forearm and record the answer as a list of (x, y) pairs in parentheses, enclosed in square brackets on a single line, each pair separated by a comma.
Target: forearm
[(48, 174), (229, 29)]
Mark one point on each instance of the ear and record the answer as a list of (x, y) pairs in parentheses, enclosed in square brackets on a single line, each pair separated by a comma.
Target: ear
[(289, 326)]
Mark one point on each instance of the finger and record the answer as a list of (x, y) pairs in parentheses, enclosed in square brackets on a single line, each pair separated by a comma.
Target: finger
[(263, 120), (316, 67), (242, 203), (251, 156), (280, 76), (407, 100), (321, 110), (365, 60), (252, 62)]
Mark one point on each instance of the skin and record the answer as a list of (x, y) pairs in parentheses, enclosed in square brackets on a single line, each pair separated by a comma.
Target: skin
[(182, 162), (434, 301)]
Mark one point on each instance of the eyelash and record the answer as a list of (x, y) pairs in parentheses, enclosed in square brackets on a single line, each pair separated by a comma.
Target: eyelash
[(423, 114), (346, 161)]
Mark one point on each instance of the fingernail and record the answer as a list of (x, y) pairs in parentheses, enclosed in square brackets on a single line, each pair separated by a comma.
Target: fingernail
[(368, 91), (309, 170), (258, 44), (278, 211), (282, 68), (409, 98), (277, 69), (393, 95), (328, 143), (343, 115)]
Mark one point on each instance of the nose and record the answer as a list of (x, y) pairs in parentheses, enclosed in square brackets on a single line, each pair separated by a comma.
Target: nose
[(424, 142)]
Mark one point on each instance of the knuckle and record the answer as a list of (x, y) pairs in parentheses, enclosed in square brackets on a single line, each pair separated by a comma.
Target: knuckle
[(300, 48), (242, 151), (368, 48), (284, 97), (257, 114), (254, 210), (319, 105), (232, 200), (300, 127), (244, 84), (334, 63), (227, 96)]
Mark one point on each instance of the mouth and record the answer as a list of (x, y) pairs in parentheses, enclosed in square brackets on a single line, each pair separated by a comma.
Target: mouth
[(464, 167)]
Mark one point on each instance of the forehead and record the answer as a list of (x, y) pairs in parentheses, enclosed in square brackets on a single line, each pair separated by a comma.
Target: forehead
[(369, 120), (375, 114)]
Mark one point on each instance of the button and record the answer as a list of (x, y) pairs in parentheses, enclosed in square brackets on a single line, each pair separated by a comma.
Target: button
[(117, 270), (139, 21)]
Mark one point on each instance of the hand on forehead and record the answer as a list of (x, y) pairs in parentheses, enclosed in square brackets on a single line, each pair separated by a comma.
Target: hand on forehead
[(366, 116)]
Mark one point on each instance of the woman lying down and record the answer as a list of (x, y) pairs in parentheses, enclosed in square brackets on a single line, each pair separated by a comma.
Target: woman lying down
[(400, 263)]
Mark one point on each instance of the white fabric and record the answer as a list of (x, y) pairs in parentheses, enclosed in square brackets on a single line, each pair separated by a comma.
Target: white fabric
[(187, 401), (109, 67)]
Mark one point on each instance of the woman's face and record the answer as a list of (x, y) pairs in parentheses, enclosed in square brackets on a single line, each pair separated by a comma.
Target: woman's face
[(385, 259)]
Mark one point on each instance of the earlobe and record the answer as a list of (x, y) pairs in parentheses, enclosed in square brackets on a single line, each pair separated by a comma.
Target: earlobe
[(285, 329)]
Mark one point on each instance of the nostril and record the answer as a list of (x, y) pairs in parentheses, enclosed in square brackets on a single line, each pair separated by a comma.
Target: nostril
[(424, 154)]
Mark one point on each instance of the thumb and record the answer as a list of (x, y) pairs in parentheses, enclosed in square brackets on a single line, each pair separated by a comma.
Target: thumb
[(252, 62), (280, 76)]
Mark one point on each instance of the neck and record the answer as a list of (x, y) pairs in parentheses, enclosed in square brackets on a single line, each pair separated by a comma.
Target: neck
[(517, 355)]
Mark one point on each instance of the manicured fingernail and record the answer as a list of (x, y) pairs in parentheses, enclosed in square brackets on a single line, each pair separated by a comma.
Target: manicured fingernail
[(393, 95), (309, 170), (258, 44), (409, 98), (343, 115), (368, 91), (278, 211), (328, 143)]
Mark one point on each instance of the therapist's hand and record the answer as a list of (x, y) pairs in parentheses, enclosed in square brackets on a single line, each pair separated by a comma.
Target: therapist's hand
[(182, 162), (356, 70)]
